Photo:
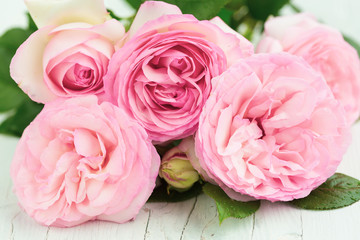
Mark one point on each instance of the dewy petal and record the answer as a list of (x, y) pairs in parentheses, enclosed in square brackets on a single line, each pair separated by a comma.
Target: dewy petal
[(26, 66), (151, 10), (48, 12)]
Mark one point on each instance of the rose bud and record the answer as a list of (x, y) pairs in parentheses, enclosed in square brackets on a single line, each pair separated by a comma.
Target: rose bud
[(177, 171)]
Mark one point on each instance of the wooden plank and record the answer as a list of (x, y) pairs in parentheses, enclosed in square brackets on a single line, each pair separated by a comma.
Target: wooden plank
[(102, 230), (204, 223), (277, 221), (167, 220), (336, 224)]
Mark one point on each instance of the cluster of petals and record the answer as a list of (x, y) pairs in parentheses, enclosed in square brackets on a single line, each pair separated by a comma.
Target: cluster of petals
[(66, 58), (271, 128), (162, 73), (80, 161), (324, 48), (268, 125)]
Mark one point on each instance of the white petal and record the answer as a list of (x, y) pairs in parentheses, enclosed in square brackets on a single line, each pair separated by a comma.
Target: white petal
[(111, 29), (26, 66), (221, 24), (277, 26), (151, 10), (269, 45), (55, 12)]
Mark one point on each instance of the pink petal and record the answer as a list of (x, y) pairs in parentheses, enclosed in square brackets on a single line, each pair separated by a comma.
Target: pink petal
[(86, 144), (151, 10)]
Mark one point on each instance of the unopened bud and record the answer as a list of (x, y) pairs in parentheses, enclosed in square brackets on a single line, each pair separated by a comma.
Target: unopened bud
[(177, 170)]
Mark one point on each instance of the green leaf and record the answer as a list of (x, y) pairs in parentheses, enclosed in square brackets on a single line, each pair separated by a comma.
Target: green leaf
[(235, 5), (160, 193), (13, 38), (353, 43), (338, 191), (226, 15), (10, 97), (5, 59), (9, 43), (10, 94), (135, 3), (201, 9), (113, 15), (228, 207), (16, 123), (262, 9)]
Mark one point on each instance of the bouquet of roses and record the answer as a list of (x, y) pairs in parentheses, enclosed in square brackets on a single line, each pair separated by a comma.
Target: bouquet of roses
[(164, 106)]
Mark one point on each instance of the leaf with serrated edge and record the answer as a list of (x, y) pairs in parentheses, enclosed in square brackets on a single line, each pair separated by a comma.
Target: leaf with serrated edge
[(338, 191), (228, 207)]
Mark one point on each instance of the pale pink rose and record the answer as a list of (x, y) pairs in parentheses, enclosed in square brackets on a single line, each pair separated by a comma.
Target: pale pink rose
[(80, 161), (271, 129), (65, 61), (162, 74), (324, 49)]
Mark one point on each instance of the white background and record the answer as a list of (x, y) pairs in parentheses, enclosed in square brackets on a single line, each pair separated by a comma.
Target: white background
[(197, 218)]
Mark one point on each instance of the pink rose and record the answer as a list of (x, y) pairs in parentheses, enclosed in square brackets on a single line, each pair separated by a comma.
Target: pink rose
[(324, 49), (162, 74), (271, 129), (80, 161), (65, 61)]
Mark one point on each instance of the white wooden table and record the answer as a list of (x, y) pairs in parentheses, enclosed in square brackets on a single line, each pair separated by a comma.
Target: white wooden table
[(197, 218)]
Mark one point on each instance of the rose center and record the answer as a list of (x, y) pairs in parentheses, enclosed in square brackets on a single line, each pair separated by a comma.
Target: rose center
[(83, 75)]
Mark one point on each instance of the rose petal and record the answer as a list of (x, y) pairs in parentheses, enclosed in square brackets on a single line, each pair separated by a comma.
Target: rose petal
[(26, 68), (53, 12), (151, 10)]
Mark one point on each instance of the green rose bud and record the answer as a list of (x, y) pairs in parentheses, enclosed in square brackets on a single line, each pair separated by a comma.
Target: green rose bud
[(177, 170)]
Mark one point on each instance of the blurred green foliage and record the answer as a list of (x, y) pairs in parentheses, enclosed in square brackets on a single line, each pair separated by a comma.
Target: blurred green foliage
[(15, 104)]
